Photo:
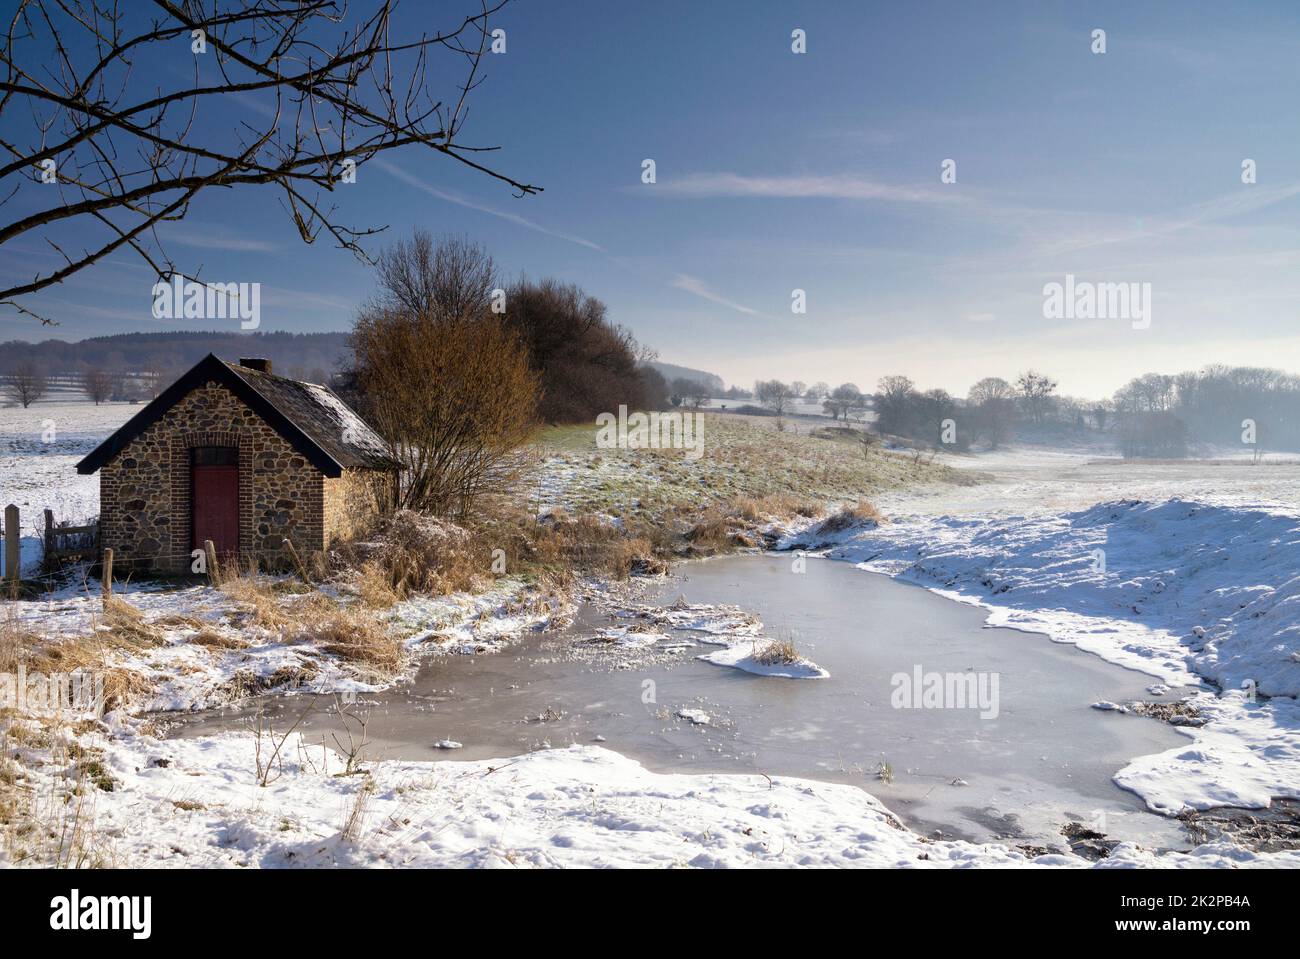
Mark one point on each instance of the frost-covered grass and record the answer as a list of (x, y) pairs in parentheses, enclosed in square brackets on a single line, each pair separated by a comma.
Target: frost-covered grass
[(744, 457)]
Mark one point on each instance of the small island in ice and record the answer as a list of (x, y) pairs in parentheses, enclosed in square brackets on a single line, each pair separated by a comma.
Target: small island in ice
[(776, 658)]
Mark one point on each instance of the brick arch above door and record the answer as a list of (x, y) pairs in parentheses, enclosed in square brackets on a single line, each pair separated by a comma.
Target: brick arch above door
[(181, 506)]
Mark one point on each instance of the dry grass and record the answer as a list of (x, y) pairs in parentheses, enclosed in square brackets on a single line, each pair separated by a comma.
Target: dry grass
[(861, 513), (777, 652), (374, 584), (356, 812), (127, 624), (410, 553), (774, 506), (51, 822), (214, 640), (356, 637), (593, 544), (92, 653), (258, 600)]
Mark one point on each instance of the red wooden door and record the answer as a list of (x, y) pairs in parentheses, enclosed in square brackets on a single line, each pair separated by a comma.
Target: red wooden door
[(215, 498)]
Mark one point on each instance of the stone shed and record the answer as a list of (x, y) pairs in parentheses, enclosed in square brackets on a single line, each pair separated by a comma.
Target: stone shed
[(235, 454)]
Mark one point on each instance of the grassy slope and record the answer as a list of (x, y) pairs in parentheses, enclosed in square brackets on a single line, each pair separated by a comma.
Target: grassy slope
[(743, 457)]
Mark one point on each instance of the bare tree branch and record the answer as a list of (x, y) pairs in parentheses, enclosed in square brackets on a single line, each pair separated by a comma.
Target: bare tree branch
[(118, 155)]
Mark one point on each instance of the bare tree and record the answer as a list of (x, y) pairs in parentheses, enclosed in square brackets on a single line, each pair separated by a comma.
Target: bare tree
[(451, 392), (895, 406), (774, 394), (27, 383), (97, 384), (689, 392), (328, 87), (992, 402), (843, 400), (1036, 393)]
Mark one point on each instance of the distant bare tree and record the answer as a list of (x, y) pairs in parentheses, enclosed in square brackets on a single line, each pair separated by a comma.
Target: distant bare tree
[(1100, 413), (894, 404), (27, 383), (155, 376), (992, 402), (688, 392), (97, 384), (1036, 394), (774, 394), (844, 400), (91, 146)]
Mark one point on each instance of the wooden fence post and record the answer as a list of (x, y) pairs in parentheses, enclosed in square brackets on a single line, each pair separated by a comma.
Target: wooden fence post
[(297, 561), (13, 545), (210, 550), (108, 573)]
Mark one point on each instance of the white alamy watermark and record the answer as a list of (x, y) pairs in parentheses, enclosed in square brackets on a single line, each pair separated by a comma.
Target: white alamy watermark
[(970, 690), (78, 693), (651, 431), (75, 912), (1084, 300), (182, 299)]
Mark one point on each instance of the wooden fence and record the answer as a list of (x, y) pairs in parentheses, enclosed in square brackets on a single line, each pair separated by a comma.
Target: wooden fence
[(70, 542), (62, 543)]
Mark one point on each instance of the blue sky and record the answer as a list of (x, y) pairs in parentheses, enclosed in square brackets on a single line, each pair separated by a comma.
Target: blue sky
[(821, 172)]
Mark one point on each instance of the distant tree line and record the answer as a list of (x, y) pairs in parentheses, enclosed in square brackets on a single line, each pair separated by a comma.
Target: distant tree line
[(136, 366)]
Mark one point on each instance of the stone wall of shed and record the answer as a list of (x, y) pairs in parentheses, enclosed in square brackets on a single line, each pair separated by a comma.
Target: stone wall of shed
[(145, 489)]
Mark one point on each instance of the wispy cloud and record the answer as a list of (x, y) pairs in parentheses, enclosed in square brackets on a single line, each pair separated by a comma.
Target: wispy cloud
[(207, 238), (400, 174), (692, 284), (835, 187), (1239, 202)]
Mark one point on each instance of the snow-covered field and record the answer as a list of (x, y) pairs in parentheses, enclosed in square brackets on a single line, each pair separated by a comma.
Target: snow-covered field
[(1186, 571), (39, 450)]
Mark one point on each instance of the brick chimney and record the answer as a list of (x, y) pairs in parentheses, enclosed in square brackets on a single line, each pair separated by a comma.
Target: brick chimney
[(255, 363)]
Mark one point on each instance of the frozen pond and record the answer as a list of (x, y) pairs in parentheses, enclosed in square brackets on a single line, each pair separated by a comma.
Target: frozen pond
[(1046, 759)]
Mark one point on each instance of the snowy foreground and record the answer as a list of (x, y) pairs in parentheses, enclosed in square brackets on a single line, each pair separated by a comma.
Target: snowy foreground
[(194, 803)]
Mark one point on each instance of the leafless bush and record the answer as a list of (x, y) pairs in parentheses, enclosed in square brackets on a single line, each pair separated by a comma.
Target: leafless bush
[(443, 379)]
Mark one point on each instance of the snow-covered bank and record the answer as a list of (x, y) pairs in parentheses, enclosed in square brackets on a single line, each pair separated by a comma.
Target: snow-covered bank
[(1179, 590), (196, 803), (207, 652)]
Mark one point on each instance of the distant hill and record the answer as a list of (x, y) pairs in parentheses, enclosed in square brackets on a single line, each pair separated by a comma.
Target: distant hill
[(294, 354), (671, 371)]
